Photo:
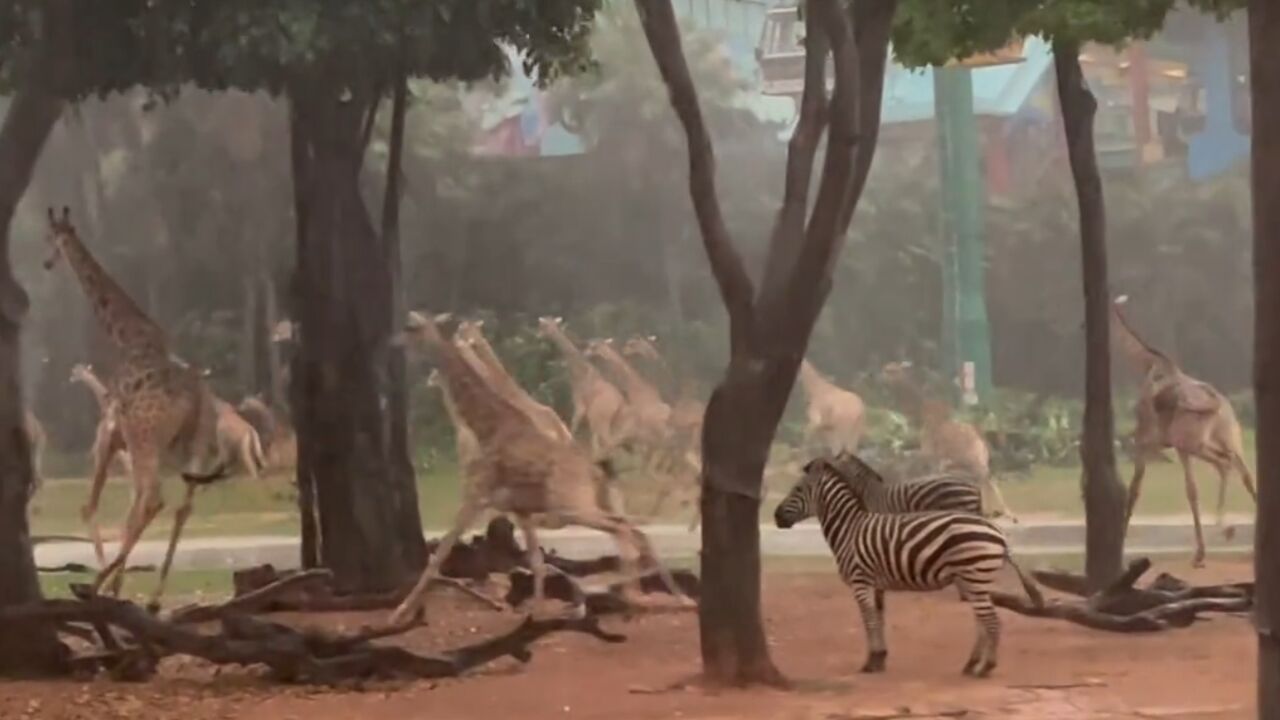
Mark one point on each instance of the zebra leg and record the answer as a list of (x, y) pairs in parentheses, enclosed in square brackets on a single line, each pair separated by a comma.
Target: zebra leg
[(870, 602), (985, 653)]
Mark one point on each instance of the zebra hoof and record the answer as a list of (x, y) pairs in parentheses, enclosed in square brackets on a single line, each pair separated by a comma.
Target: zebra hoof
[(875, 662), (971, 667), (984, 670)]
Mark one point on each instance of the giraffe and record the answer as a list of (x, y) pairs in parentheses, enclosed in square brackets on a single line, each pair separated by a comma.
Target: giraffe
[(687, 413), (472, 342), (835, 415), (947, 442), (163, 406), (519, 471), (279, 440), (650, 421), (238, 439), (1175, 410), (108, 447), (595, 399), (649, 412), (465, 442)]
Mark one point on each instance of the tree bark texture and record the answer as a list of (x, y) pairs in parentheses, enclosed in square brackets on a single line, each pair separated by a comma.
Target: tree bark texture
[(1264, 71), (368, 531), (1104, 496), (32, 649), (769, 331)]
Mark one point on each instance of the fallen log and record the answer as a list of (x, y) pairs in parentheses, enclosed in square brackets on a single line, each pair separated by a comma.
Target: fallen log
[(292, 655)]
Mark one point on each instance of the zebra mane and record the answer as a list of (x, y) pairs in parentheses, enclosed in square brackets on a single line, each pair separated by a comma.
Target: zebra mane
[(846, 467)]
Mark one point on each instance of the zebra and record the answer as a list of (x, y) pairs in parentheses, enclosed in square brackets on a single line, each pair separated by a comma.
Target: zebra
[(939, 491), (912, 551)]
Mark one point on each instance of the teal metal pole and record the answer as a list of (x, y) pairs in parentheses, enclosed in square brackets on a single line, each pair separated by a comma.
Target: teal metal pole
[(966, 330)]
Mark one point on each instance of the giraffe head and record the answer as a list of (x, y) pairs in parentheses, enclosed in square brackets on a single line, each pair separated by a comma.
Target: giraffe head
[(81, 372), (549, 325), (642, 347), (600, 348), (284, 331), (896, 373), (422, 329), (61, 233), (469, 332)]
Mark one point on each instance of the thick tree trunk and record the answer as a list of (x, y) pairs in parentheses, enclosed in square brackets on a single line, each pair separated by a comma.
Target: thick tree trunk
[(1104, 496), (1264, 71), (742, 417), (344, 380), (30, 648)]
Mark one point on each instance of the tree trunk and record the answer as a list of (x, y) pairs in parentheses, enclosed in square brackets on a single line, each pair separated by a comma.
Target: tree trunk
[(276, 390), (249, 328), (742, 417), (769, 329), (300, 162), (398, 407), (29, 648), (1264, 71), (344, 378), (1104, 496)]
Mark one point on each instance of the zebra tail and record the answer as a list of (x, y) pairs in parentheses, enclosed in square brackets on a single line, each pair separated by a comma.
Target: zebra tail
[(1028, 583)]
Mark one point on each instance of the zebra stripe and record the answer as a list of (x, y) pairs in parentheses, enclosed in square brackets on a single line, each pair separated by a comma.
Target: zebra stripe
[(917, 551), (940, 491)]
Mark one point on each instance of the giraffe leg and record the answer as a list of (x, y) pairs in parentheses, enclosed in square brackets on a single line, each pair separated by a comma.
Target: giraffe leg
[(1246, 476), (102, 452), (870, 601), (179, 520), (467, 514), (998, 497), (247, 457), (1224, 470), (147, 503), (1193, 499), (536, 563), (1135, 485)]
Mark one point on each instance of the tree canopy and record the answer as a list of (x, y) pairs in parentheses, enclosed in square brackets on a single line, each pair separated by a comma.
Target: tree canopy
[(257, 45)]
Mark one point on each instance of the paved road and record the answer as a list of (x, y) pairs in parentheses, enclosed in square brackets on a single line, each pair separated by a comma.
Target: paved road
[(1032, 536)]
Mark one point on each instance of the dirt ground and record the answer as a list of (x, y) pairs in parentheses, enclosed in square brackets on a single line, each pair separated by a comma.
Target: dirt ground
[(1048, 670)]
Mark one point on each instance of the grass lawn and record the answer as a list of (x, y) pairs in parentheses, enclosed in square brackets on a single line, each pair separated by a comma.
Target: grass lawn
[(186, 585), (267, 507)]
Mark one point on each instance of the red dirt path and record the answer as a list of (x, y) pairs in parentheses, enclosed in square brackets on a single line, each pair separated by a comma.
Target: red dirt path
[(1206, 671)]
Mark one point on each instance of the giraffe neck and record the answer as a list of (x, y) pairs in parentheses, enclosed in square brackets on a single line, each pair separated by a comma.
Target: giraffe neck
[(813, 383), (450, 407), (484, 351), (579, 368), (99, 390), (636, 387), (481, 409), (129, 328)]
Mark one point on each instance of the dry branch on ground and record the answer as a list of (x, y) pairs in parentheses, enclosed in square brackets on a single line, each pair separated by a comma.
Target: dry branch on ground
[(1166, 602), (131, 642)]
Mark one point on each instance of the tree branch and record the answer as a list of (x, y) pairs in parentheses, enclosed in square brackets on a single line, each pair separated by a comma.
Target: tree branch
[(736, 289), (799, 286), (872, 23), (292, 655), (788, 228)]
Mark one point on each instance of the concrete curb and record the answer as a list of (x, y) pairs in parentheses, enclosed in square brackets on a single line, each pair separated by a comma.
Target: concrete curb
[(1030, 537)]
